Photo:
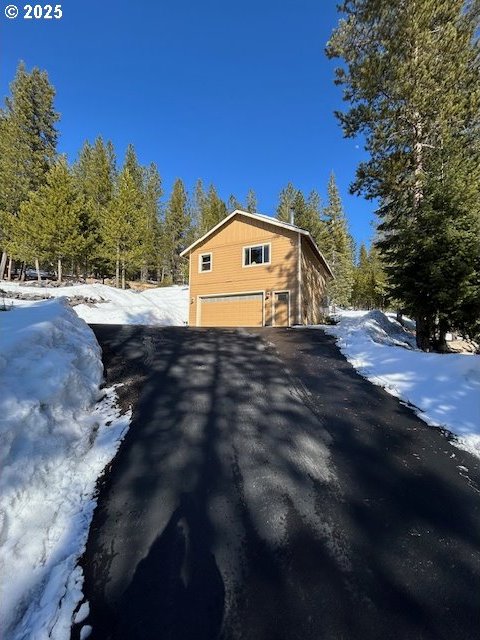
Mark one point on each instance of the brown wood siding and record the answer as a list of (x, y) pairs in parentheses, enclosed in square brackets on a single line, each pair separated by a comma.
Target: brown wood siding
[(314, 279), (228, 275)]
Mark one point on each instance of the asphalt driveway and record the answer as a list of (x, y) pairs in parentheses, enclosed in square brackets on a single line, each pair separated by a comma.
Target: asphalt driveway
[(266, 491)]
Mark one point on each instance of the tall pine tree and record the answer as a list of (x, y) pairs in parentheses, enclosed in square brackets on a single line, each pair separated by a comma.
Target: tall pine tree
[(286, 201), (251, 201), (176, 229), (212, 210), (95, 173), (124, 227), (337, 247), (152, 236), (412, 78), (48, 225), (28, 140)]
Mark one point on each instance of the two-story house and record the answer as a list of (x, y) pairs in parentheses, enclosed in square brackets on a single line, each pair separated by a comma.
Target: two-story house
[(251, 270)]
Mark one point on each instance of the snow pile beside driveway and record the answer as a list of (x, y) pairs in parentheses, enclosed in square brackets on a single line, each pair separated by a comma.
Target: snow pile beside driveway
[(56, 436), (444, 388), (162, 306)]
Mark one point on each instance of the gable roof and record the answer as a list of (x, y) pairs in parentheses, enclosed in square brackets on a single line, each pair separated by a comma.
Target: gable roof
[(268, 220)]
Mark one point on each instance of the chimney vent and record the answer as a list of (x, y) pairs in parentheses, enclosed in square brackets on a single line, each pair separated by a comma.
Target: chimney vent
[(292, 216)]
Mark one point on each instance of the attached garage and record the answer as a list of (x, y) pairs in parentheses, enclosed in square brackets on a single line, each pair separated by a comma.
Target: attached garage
[(234, 310), (251, 270)]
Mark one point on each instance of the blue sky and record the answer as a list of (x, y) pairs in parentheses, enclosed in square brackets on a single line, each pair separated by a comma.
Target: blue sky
[(237, 93)]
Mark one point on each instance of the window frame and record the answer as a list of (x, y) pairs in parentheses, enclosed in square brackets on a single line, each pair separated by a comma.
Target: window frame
[(256, 246), (200, 263)]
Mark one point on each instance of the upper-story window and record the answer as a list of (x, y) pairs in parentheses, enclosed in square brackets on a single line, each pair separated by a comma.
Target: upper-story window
[(258, 254), (204, 262)]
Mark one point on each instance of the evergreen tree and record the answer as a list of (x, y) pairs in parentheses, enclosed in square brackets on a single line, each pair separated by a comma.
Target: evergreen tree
[(369, 282), (212, 211), (234, 204), (152, 236), (337, 248), (286, 202), (360, 288), (48, 224), (28, 140), (124, 227), (176, 230), (95, 174), (197, 207), (132, 165), (412, 79), (308, 215), (251, 201)]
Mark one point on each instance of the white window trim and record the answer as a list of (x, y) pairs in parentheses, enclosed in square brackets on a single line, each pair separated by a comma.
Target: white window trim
[(200, 256), (254, 246)]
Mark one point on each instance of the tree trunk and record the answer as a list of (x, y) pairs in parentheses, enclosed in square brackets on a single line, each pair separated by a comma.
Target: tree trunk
[(424, 333), (37, 268), (10, 268), (123, 274), (441, 340), (3, 264), (23, 272), (144, 274), (59, 271), (117, 269)]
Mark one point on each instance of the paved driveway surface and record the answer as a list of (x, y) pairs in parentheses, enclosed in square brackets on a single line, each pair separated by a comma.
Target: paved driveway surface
[(265, 491)]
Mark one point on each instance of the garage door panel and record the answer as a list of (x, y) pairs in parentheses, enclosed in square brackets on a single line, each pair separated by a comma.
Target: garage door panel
[(232, 311)]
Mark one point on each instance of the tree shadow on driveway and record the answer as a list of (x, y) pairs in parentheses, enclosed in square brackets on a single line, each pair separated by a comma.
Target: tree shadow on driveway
[(251, 502)]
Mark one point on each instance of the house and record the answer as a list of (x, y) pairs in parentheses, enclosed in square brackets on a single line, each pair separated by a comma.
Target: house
[(251, 270)]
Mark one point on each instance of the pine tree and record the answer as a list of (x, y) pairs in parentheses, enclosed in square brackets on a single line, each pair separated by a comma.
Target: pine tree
[(176, 230), (337, 248), (197, 207), (124, 226), (360, 288), (251, 201), (132, 165), (412, 79), (95, 175), (308, 215), (234, 204), (369, 282), (48, 224), (212, 210), (151, 238), (286, 202), (28, 141)]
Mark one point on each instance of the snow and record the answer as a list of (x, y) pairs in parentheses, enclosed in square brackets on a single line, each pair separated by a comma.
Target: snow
[(56, 435), (158, 306), (444, 388)]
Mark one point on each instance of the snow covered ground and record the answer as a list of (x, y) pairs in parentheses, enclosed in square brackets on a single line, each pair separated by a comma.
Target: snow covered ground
[(444, 388), (56, 436), (159, 306)]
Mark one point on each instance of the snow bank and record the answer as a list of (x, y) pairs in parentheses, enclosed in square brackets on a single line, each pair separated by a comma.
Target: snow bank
[(444, 388), (159, 306), (55, 439)]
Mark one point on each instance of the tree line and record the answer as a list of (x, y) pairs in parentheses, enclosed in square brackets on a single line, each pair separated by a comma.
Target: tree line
[(410, 71), (97, 218)]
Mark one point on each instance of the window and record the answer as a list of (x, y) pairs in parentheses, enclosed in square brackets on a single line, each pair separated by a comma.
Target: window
[(256, 255), (204, 262)]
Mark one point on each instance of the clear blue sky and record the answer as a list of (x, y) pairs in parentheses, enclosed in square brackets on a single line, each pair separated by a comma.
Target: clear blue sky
[(237, 93)]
